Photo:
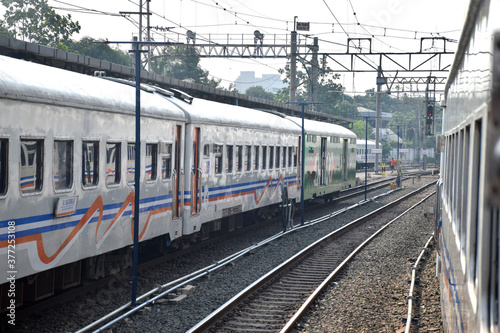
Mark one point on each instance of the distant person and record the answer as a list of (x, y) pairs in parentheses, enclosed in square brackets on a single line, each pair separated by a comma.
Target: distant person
[(393, 163)]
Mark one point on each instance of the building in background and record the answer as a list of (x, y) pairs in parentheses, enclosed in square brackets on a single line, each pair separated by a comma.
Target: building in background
[(270, 82)]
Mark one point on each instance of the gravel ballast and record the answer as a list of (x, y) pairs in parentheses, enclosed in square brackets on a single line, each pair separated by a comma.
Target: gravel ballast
[(363, 299)]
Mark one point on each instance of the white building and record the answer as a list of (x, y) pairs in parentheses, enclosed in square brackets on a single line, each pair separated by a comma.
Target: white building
[(270, 82)]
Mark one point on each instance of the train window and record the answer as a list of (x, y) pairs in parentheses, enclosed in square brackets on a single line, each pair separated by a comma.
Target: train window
[(31, 165), (151, 161), (4, 159), (283, 161), (218, 158), (256, 162), (248, 158), (113, 153), (230, 159), (295, 156), (62, 167), (264, 157), (313, 138), (206, 151), (130, 163), (284, 157), (278, 156), (290, 154), (239, 158), (465, 187), (166, 161), (90, 163), (271, 157), (476, 210), (308, 138)]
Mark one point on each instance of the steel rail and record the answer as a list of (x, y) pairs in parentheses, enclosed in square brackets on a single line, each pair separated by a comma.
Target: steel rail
[(410, 297), (315, 294), (173, 285), (211, 319)]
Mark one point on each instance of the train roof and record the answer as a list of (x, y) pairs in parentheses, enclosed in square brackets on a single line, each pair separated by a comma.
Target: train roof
[(27, 81), (321, 128), (363, 142), (214, 113)]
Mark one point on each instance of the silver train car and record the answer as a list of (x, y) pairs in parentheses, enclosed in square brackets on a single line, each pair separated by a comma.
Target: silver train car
[(67, 169), (365, 158), (469, 185)]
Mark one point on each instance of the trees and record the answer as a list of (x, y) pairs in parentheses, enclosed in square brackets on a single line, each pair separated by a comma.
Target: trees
[(360, 129), (88, 46), (259, 92), (182, 63), (330, 95), (36, 22)]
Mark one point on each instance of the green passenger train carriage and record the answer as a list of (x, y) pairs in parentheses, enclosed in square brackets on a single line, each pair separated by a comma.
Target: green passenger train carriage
[(330, 158)]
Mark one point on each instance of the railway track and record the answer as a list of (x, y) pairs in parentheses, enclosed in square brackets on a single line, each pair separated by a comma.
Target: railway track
[(95, 285), (127, 310), (276, 301)]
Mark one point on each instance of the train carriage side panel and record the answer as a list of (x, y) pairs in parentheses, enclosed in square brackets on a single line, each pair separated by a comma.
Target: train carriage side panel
[(330, 158), (468, 218), (234, 154), (66, 138)]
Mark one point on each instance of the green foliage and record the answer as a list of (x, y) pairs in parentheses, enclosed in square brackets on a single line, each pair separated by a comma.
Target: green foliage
[(36, 22), (87, 46), (182, 63), (330, 94), (359, 127), (259, 92)]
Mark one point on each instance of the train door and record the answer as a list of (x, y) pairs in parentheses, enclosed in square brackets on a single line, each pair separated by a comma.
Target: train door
[(299, 162), (196, 174), (176, 173), (345, 160), (322, 176)]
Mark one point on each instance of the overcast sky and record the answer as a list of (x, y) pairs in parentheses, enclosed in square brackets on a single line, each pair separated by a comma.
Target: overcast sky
[(396, 26)]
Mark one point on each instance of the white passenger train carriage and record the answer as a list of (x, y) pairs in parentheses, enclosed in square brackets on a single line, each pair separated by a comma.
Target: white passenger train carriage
[(239, 159), (365, 157), (66, 169), (468, 191)]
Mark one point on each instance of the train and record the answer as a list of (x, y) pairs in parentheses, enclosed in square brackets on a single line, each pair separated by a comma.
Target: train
[(468, 190), (364, 156), (67, 170)]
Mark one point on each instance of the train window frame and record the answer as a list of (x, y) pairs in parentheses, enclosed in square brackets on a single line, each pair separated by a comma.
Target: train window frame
[(118, 157), (248, 158), (476, 136), (218, 150), (256, 160), (465, 190), (95, 175), (130, 176), (166, 155), (153, 145), (271, 157), (239, 158), (39, 166), (4, 166), (284, 157), (230, 159), (295, 156), (277, 156), (264, 158), (66, 166), (206, 151)]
